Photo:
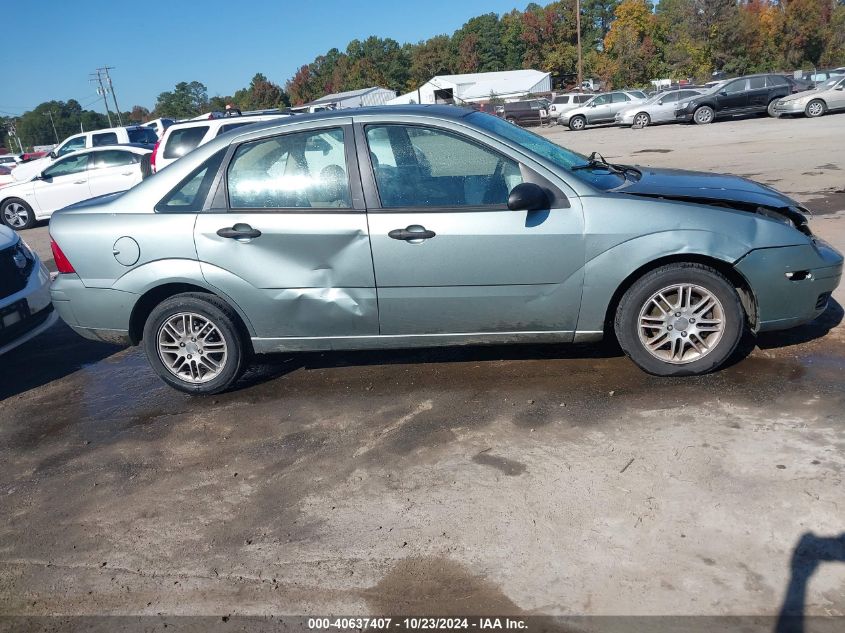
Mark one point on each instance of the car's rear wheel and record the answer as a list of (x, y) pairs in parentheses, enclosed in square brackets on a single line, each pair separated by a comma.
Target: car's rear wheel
[(17, 214), (704, 115), (681, 319), (194, 344), (815, 108), (642, 120), (577, 123)]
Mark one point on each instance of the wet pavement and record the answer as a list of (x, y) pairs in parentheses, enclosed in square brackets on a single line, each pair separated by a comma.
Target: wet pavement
[(521, 480)]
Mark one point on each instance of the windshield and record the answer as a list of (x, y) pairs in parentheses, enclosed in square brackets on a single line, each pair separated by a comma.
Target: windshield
[(536, 144), (830, 83)]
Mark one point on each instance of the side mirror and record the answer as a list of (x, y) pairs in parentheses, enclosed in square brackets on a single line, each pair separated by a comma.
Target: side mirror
[(52, 154), (660, 102), (44, 177), (528, 197), (840, 87), (724, 93)]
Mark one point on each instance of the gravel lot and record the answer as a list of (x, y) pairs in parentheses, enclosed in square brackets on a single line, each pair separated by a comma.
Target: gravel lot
[(521, 480)]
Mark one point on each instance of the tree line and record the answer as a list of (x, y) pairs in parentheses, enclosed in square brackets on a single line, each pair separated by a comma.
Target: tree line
[(625, 43)]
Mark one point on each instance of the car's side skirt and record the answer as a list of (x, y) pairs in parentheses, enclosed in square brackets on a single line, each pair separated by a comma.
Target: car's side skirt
[(309, 344)]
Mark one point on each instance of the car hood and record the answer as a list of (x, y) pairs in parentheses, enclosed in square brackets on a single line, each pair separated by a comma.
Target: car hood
[(694, 186), (27, 171)]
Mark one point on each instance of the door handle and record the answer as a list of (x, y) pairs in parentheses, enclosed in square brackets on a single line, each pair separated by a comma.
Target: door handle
[(239, 232), (126, 173), (414, 232), (79, 182)]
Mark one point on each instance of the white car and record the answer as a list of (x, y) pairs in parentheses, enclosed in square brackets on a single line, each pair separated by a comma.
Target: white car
[(183, 137), (9, 160), (5, 176), (159, 125), (658, 109), (25, 307), (71, 179), (87, 140)]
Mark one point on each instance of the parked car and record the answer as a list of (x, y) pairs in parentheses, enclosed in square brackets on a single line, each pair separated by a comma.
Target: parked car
[(753, 94), (819, 77), (828, 97), (411, 226), (25, 307), (798, 85), (71, 179), (602, 108), (528, 112), (9, 160), (185, 136), (659, 109), (564, 102), (86, 140)]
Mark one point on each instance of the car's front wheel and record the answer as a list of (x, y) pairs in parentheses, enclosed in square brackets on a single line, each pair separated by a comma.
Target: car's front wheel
[(771, 108), (577, 123), (642, 119), (681, 319), (815, 108), (17, 214), (704, 115), (194, 344)]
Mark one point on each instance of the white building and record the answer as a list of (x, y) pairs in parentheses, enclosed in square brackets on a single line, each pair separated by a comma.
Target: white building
[(350, 99), (507, 85)]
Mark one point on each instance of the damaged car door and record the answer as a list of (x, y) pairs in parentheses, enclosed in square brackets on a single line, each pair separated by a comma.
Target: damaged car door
[(287, 239), (450, 256)]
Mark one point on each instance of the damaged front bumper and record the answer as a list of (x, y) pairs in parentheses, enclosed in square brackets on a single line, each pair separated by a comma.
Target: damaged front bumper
[(792, 285)]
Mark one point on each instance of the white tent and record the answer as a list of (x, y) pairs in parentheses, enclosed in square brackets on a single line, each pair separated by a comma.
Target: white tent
[(509, 84)]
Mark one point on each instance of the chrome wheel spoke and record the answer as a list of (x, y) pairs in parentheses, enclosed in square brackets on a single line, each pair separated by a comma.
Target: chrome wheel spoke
[(192, 347), (681, 323)]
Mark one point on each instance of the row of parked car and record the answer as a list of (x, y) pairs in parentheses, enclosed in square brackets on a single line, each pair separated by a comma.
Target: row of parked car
[(771, 94)]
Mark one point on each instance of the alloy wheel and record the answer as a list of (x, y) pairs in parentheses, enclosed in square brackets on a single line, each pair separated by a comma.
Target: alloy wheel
[(681, 323), (703, 115), (815, 108), (16, 215), (641, 120), (192, 347)]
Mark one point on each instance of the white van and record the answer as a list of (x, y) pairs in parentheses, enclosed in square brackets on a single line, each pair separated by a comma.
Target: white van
[(87, 140)]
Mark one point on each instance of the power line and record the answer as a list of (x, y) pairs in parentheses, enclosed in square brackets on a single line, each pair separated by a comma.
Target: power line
[(102, 92), (106, 70)]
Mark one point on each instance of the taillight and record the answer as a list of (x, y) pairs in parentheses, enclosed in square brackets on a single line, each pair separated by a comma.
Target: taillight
[(153, 156), (63, 264)]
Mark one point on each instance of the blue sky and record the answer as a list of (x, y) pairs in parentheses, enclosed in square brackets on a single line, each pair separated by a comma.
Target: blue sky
[(156, 44)]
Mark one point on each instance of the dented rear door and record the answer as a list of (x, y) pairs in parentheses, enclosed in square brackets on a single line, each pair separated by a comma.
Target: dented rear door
[(287, 240)]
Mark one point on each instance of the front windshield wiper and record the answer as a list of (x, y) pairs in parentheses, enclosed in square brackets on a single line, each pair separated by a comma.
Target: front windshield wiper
[(597, 161)]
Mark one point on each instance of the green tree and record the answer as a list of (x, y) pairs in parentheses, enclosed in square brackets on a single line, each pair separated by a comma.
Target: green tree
[(186, 100)]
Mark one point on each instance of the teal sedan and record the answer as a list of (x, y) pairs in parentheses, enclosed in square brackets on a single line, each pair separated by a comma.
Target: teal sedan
[(415, 226)]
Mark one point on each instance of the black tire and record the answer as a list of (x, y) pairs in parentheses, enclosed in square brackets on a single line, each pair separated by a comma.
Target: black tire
[(815, 108), (8, 208), (223, 317), (704, 115), (770, 109), (577, 123), (637, 298)]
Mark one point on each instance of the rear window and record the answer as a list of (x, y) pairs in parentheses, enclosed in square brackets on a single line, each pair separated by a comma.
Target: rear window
[(582, 98), (775, 80), (755, 83), (184, 140), (190, 194), (561, 100), (142, 135)]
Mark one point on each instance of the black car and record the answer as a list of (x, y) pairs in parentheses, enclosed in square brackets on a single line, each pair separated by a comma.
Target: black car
[(752, 94), (531, 112)]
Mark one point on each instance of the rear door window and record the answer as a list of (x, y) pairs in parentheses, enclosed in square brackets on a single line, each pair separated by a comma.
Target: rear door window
[(184, 140), (775, 80), (756, 83), (112, 158), (561, 100), (108, 138), (301, 170), (620, 97)]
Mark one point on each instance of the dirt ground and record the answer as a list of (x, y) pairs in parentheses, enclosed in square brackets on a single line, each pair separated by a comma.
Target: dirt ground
[(505, 480)]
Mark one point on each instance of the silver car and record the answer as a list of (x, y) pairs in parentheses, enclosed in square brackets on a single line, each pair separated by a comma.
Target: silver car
[(828, 97), (414, 226), (602, 108), (658, 109)]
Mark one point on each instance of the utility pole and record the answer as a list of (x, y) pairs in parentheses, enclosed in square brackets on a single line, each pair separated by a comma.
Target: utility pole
[(49, 113), (102, 91), (106, 70), (578, 29)]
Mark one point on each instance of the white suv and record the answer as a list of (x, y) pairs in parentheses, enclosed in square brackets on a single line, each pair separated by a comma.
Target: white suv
[(87, 140), (183, 137), (564, 102)]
